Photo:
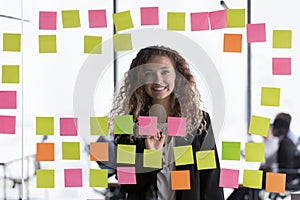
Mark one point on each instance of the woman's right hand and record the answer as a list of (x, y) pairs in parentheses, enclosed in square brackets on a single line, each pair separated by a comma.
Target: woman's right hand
[(155, 142)]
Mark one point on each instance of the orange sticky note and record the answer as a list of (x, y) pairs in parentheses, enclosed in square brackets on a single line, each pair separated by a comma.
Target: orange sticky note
[(99, 151), (180, 180), (275, 182), (45, 151), (232, 43)]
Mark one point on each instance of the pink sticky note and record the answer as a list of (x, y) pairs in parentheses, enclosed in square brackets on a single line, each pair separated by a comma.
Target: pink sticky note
[(8, 124), (97, 18), (256, 32), (217, 19), (8, 99), (199, 21), (149, 16), (281, 66), (229, 178), (176, 126), (147, 125), (47, 20), (73, 177), (68, 126), (126, 175)]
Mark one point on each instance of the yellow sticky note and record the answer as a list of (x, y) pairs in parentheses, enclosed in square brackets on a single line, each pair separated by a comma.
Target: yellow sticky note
[(270, 96), (126, 154), (10, 74), (206, 159), (122, 20), (70, 18), (152, 158), (282, 39), (252, 178), (122, 42), (45, 178), (123, 124), (183, 155), (47, 44), (235, 18), (45, 125), (70, 150), (255, 152), (92, 44), (259, 125), (99, 125), (176, 21), (99, 178), (12, 42)]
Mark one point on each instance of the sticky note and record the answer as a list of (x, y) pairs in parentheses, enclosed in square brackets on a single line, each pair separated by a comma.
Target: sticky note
[(123, 124), (149, 16), (275, 182), (73, 177), (176, 21), (99, 125), (235, 18), (97, 18), (122, 20), (282, 39), (256, 32), (70, 150), (47, 20), (10, 74), (180, 180), (45, 178), (8, 99), (99, 178), (45, 151), (217, 19), (229, 178), (152, 158), (232, 43), (270, 96), (259, 125), (47, 44), (122, 42), (255, 152), (199, 21), (45, 125), (70, 18), (99, 151), (183, 155), (252, 178), (126, 175), (7, 124), (68, 126), (126, 154), (12, 42), (206, 159), (231, 150), (92, 44), (281, 66), (147, 125), (176, 126)]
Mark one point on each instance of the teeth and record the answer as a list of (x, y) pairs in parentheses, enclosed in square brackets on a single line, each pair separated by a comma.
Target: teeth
[(159, 88)]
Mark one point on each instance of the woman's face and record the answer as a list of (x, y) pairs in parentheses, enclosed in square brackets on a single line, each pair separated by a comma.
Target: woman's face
[(159, 77)]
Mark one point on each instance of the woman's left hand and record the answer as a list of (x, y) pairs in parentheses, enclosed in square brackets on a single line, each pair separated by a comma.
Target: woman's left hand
[(155, 142)]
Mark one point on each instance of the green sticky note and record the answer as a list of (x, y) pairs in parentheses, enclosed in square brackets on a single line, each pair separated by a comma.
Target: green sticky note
[(99, 178), (255, 152), (235, 18), (231, 150), (206, 159), (270, 96), (122, 20), (99, 125), (47, 44), (70, 150), (10, 74), (252, 178), (126, 154), (259, 125), (282, 39), (183, 155), (123, 124), (45, 125), (70, 18), (152, 158), (122, 42), (45, 178), (92, 44), (11, 42), (176, 21)]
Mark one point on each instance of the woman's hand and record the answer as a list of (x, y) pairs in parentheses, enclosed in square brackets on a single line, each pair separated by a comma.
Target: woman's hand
[(155, 142)]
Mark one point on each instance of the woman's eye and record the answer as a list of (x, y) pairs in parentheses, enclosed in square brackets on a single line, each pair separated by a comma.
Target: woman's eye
[(165, 72), (148, 73)]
